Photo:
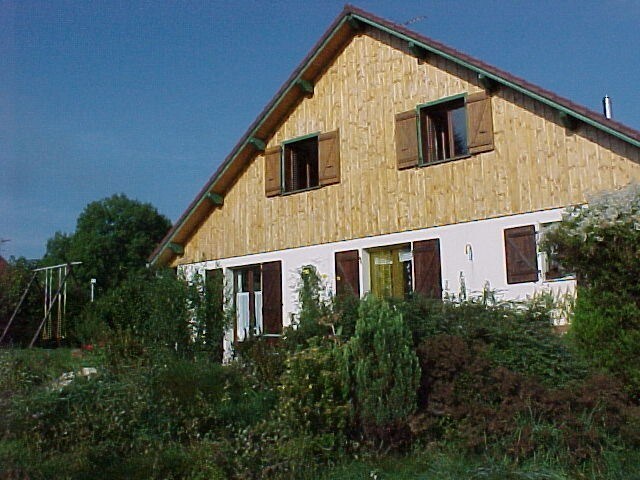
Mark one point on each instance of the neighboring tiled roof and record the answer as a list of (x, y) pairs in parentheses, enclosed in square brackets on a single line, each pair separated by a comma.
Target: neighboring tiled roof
[(3, 265), (338, 33)]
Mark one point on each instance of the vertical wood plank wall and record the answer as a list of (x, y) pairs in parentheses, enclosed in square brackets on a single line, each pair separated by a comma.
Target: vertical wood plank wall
[(537, 164)]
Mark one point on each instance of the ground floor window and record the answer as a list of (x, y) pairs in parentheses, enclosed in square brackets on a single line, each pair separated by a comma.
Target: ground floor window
[(257, 296), (551, 266), (247, 282), (391, 271)]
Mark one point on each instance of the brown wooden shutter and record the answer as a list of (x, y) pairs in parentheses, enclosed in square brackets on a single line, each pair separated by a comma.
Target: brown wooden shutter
[(329, 158), (407, 139), (521, 254), (479, 123), (347, 273), (272, 297), (427, 268), (272, 164)]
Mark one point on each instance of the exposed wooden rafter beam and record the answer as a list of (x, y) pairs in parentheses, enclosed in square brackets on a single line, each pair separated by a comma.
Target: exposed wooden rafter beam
[(215, 198), (305, 85), (258, 143), (568, 121), (489, 84), (417, 51), (176, 248), (354, 23)]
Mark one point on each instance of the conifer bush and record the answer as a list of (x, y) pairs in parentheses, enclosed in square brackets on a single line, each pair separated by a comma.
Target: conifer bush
[(383, 372)]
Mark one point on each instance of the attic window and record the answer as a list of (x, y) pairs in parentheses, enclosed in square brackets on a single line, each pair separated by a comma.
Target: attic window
[(301, 165), (444, 131)]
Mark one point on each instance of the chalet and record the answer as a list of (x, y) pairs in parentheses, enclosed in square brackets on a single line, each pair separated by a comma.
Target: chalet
[(395, 164)]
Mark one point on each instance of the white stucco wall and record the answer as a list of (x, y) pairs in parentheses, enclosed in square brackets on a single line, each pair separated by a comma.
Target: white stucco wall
[(471, 252)]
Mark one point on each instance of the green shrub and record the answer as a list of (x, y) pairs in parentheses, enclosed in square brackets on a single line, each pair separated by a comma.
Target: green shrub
[(606, 328), (516, 335), (315, 317), (150, 313), (383, 371), (469, 400), (600, 242), (311, 395)]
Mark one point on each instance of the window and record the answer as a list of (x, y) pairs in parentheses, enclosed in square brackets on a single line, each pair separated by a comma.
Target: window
[(301, 165), (552, 268), (247, 286), (444, 130), (521, 254), (399, 270), (257, 295), (391, 271)]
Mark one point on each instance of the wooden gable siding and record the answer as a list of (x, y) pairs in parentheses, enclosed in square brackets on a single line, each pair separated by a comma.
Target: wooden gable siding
[(536, 164)]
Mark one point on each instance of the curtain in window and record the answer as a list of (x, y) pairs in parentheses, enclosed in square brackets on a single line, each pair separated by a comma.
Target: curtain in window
[(242, 315), (258, 311)]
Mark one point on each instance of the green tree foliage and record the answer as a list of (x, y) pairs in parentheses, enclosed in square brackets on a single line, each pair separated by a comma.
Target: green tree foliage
[(383, 371), (113, 238), (600, 242)]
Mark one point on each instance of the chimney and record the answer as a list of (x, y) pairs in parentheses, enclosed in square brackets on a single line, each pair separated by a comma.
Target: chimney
[(606, 106)]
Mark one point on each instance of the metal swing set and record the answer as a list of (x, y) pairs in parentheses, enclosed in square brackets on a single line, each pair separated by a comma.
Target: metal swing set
[(54, 290)]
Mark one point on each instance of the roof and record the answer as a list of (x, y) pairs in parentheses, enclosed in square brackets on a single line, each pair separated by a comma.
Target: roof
[(348, 24)]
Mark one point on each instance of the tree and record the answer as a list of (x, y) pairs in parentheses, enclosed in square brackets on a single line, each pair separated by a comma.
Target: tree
[(600, 242), (113, 239)]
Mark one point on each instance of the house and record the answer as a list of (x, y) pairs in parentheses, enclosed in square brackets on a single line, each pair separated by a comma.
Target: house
[(393, 163)]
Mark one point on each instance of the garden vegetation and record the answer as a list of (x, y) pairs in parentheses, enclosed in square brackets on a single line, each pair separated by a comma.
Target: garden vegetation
[(360, 389)]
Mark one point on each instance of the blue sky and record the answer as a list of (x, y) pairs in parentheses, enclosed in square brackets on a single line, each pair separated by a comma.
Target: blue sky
[(147, 97)]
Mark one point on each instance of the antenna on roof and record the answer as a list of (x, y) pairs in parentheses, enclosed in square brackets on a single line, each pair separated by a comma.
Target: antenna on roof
[(606, 106), (413, 20)]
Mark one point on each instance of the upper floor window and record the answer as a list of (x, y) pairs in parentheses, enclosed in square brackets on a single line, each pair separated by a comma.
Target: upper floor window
[(446, 129), (301, 165)]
